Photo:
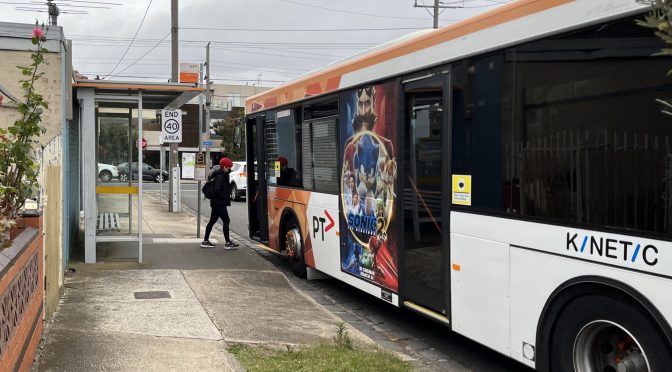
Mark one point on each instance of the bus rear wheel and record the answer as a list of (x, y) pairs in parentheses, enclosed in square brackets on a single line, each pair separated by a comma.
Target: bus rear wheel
[(596, 333), (294, 249)]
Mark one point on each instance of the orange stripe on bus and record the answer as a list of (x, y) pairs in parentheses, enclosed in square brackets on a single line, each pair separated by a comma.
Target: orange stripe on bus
[(298, 89)]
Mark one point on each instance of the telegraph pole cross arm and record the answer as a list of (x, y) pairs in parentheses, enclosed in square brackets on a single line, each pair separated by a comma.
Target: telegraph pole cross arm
[(437, 5)]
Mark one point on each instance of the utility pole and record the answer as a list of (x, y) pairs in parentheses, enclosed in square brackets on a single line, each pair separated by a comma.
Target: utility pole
[(437, 5), (200, 141), (208, 101), (174, 41), (173, 147)]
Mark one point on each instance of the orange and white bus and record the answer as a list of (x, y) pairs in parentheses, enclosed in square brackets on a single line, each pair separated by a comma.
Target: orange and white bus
[(509, 176)]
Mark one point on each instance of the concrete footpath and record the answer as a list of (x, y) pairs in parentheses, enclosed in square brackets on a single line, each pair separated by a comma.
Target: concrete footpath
[(180, 308)]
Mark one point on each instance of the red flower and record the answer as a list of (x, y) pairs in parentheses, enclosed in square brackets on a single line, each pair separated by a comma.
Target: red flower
[(38, 33)]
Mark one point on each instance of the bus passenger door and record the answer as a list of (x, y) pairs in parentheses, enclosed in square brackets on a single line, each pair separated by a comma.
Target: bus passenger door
[(424, 249), (256, 180)]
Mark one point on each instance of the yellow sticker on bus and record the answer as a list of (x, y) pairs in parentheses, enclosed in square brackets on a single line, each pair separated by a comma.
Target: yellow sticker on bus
[(461, 189)]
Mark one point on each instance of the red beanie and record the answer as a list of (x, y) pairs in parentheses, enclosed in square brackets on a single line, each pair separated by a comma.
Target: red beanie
[(225, 162), (283, 161)]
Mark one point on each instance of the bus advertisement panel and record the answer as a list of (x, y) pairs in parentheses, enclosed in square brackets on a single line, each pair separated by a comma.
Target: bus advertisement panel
[(369, 170)]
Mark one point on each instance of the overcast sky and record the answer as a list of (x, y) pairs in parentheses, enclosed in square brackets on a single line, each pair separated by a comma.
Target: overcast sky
[(263, 42)]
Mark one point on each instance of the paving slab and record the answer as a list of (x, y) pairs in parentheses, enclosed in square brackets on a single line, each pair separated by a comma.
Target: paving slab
[(104, 301), (78, 350), (262, 307), (120, 285)]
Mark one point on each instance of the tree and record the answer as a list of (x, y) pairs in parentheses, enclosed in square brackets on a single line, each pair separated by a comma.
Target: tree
[(659, 19), (227, 129)]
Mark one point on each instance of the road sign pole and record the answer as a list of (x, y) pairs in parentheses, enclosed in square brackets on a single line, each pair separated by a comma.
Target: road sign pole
[(200, 138), (171, 132), (162, 164)]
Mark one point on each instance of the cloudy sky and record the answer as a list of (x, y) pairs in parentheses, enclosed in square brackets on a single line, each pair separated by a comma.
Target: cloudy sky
[(263, 42)]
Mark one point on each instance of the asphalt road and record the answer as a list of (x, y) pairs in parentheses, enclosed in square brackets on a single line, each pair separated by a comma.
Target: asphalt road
[(422, 337), (190, 195)]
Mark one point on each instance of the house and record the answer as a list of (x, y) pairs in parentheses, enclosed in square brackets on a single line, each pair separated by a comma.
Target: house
[(24, 278)]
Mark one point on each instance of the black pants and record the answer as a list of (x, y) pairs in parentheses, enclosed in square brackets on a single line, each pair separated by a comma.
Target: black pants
[(217, 212)]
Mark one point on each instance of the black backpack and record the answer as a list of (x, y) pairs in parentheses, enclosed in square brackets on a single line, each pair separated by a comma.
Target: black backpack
[(209, 189)]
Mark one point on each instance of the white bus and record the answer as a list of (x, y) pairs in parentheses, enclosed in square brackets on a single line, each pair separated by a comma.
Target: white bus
[(509, 176)]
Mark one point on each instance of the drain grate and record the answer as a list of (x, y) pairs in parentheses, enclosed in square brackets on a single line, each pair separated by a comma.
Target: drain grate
[(149, 295)]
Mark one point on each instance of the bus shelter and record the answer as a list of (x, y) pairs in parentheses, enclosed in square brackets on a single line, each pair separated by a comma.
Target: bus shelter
[(115, 118)]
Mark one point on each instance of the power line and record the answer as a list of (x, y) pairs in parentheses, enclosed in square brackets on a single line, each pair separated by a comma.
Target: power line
[(138, 41), (143, 56), (261, 68), (220, 63), (452, 5), (350, 12), (303, 29), (134, 36), (165, 76)]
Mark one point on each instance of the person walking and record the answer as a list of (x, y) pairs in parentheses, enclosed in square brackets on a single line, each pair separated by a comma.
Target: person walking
[(218, 204)]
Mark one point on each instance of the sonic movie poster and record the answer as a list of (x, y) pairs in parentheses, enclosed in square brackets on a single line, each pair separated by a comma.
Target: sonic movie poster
[(368, 179)]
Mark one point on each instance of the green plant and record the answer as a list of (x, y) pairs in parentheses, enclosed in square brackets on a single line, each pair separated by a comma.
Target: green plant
[(659, 19), (18, 168), (342, 338)]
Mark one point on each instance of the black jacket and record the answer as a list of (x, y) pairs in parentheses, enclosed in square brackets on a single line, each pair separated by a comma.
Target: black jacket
[(222, 188)]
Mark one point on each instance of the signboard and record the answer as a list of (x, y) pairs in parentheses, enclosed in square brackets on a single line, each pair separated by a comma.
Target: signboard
[(208, 143), (171, 126), (277, 169), (461, 189), (188, 165), (144, 143), (188, 72), (199, 171)]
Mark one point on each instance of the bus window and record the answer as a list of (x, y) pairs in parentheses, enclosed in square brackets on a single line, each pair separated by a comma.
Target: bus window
[(283, 150)]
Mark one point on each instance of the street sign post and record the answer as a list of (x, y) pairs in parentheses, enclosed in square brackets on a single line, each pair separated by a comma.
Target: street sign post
[(189, 73), (199, 171), (171, 126)]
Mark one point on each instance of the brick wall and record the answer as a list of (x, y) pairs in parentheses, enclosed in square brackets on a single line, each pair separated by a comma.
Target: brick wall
[(21, 298)]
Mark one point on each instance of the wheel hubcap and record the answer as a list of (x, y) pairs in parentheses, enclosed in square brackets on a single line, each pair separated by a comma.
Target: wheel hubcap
[(293, 243), (604, 346)]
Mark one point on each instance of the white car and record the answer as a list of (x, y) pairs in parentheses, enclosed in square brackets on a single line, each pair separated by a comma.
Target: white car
[(107, 172), (238, 178)]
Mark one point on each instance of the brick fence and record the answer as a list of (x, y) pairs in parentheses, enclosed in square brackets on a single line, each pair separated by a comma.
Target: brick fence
[(22, 297)]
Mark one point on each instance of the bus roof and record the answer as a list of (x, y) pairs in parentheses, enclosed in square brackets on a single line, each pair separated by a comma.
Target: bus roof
[(512, 23)]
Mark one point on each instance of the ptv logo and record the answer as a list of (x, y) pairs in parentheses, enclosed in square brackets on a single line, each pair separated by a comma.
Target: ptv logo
[(618, 250), (318, 224)]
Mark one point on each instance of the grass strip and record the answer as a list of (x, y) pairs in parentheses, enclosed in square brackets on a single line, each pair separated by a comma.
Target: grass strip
[(323, 357)]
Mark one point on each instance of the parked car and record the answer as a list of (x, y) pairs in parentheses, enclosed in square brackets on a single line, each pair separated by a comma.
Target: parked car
[(149, 173), (238, 179), (107, 172)]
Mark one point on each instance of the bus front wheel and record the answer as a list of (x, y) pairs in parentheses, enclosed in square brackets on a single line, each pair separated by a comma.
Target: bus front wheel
[(600, 333), (294, 249)]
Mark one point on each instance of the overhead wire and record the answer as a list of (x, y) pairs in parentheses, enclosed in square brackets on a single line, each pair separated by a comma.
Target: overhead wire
[(350, 12), (143, 56), (303, 29), (134, 36)]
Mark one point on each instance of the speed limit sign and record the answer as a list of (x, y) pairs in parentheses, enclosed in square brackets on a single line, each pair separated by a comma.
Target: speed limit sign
[(171, 126)]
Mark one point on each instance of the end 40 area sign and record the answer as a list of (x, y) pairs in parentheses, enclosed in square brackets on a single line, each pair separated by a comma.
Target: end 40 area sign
[(171, 126)]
